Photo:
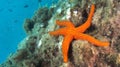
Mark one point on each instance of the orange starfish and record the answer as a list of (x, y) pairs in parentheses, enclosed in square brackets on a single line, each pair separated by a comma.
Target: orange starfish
[(70, 33)]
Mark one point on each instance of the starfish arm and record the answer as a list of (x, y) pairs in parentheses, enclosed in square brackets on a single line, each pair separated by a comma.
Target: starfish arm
[(65, 23), (83, 27), (91, 39), (65, 47), (58, 32)]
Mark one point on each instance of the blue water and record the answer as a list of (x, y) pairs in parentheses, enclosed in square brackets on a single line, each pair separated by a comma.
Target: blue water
[(12, 15)]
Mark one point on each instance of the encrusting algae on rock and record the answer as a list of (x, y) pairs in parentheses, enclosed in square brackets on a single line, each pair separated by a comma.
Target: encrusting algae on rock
[(40, 49)]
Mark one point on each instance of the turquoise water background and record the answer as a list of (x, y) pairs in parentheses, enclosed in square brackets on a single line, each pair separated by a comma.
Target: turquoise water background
[(12, 15)]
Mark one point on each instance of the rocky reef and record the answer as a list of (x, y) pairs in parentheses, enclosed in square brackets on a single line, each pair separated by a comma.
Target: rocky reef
[(39, 49)]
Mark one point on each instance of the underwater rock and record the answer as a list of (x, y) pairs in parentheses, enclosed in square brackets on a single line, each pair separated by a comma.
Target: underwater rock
[(43, 15), (39, 49), (41, 18), (28, 25)]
